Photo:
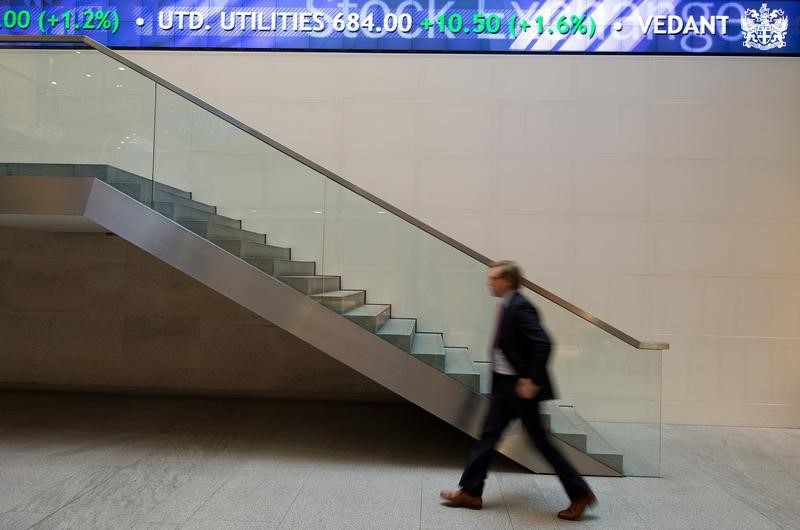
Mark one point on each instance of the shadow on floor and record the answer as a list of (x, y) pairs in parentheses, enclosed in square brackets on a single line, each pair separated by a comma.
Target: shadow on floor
[(347, 433)]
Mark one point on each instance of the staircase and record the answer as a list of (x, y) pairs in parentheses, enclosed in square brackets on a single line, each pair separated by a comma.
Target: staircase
[(254, 249)]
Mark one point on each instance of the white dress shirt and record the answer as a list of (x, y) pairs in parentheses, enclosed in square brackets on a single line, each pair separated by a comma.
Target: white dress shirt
[(500, 362)]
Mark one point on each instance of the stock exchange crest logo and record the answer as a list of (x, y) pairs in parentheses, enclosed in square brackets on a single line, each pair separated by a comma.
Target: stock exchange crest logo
[(764, 29)]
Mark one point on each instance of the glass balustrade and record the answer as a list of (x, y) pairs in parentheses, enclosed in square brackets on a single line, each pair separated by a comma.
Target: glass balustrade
[(81, 112)]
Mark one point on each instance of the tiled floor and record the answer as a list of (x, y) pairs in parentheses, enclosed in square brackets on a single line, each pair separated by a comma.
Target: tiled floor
[(80, 461)]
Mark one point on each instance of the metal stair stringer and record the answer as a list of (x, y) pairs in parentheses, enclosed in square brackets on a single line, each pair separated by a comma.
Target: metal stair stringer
[(88, 204)]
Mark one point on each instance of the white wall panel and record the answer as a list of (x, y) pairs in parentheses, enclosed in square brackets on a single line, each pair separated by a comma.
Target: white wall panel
[(662, 193)]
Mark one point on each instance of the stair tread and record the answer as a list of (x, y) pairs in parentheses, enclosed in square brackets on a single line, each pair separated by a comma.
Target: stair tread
[(183, 201), (561, 424), (458, 361), (367, 310), (219, 225), (198, 215), (337, 294), (485, 369), (185, 195), (193, 211), (595, 444), (173, 190), (191, 205), (398, 326), (213, 239), (276, 266), (246, 249), (255, 258), (428, 344), (123, 177), (169, 190), (198, 219), (295, 277), (33, 169)]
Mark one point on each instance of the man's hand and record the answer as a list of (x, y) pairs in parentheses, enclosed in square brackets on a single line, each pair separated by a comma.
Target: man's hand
[(526, 389)]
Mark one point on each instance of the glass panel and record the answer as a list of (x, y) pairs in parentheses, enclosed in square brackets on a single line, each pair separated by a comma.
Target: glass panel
[(609, 391), (244, 178), (399, 264), (606, 387), (74, 106), (319, 237)]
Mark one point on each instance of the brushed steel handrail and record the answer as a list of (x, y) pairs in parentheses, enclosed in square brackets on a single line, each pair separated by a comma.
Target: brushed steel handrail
[(592, 319)]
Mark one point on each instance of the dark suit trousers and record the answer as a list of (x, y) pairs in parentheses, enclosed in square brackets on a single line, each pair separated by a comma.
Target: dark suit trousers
[(506, 406)]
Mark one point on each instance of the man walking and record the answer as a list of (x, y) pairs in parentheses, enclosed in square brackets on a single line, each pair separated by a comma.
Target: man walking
[(519, 383)]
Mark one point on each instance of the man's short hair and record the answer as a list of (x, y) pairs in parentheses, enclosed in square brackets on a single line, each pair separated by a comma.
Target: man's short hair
[(510, 271)]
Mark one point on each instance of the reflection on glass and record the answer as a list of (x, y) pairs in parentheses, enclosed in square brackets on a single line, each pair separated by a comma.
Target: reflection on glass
[(244, 178), (75, 107)]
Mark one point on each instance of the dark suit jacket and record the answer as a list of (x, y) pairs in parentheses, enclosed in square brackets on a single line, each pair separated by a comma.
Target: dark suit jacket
[(526, 344)]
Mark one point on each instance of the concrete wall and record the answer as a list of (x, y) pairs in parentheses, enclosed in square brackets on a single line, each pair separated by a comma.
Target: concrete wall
[(91, 311)]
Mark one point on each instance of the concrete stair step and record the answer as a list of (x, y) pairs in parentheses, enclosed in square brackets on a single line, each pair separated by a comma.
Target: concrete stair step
[(562, 428), (399, 332), (183, 212), (596, 446), (370, 316), (136, 191), (429, 348), (341, 301), (459, 366), (312, 284), (485, 371), (516, 429), (282, 267), (210, 230), (118, 176), (133, 185), (250, 249), (141, 189), (98, 171), (163, 196), (143, 192)]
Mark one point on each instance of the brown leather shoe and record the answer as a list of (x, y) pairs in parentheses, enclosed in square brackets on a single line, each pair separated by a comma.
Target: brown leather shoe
[(577, 507), (461, 499)]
